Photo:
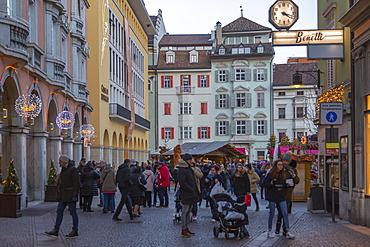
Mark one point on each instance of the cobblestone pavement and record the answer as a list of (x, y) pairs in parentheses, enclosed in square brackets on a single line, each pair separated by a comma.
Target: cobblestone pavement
[(156, 228)]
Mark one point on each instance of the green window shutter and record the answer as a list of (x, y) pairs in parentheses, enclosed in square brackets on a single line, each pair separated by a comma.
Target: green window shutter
[(227, 101), (217, 96), (265, 74), (233, 127), (254, 75), (216, 76), (248, 100), (232, 103), (255, 127), (216, 128), (265, 127), (227, 75), (248, 127), (233, 75), (248, 75), (227, 128)]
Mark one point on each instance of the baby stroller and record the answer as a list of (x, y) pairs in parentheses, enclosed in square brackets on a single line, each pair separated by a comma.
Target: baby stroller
[(178, 207), (231, 221)]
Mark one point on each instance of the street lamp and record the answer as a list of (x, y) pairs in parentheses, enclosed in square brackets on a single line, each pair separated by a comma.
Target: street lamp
[(297, 78)]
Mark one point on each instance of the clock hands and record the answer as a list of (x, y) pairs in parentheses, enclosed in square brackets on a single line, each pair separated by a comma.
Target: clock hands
[(287, 15)]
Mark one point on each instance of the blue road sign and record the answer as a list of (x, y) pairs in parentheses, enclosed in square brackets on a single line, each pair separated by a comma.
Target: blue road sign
[(331, 117), (331, 113)]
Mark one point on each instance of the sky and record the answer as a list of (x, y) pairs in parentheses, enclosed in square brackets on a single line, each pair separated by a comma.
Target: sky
[(200, 16)]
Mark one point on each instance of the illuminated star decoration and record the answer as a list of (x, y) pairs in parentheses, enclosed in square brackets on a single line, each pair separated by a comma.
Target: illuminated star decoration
[(28, 105)]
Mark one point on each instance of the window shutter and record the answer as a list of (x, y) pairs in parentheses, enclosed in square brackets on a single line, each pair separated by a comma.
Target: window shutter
[(233, 127), (172, 133), (207, 80), (233, 75), (216, 76), (262, 100), (203, 107), (162, 134), (232, 103), (227, 101), (226, 76), (248, 100), (293, 112), (199, 133), (199, 81), (171, 81), (216, 129), (254, 75), (217, 96), (227, 128), (248, 74), (181, 80), (208, 132), (248, 127), (189, 78), (265, 74), (265, 127), (162, 81), (255, 127)]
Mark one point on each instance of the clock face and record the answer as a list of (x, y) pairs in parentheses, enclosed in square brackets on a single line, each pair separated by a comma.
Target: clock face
[(283, 14)]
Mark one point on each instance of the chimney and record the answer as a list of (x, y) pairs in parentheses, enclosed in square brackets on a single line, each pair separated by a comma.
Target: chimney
[(218, 33)]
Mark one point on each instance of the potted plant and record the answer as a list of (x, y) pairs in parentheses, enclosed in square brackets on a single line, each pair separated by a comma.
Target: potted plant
[(284, 144), (10, 199), (51, 189)]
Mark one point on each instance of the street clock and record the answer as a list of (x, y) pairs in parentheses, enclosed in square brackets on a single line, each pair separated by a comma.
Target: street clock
[(283, 14)]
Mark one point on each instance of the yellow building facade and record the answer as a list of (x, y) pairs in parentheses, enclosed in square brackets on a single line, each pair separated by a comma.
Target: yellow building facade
[(118, 75)]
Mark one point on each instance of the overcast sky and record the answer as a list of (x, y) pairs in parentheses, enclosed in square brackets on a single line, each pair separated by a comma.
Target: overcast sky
[(200, 16)]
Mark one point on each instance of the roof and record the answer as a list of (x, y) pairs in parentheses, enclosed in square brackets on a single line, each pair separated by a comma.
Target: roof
[(185, 39), (207, 148), (243, 24), (154, 21), (182, 60), (283, 73)]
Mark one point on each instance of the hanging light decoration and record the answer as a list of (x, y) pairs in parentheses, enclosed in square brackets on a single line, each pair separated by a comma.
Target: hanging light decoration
[(65, 120), (87, 130), (28, 105)]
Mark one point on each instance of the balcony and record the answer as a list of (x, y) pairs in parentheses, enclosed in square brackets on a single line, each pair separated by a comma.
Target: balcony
[(185, 90), (55, 71), (122, 115)]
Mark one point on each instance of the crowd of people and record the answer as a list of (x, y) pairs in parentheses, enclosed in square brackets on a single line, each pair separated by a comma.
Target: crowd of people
[(147, 185)]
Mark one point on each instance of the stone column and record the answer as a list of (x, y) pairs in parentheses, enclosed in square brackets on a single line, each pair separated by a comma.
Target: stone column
[(55, 150), (67, 147), (77, 150), (87, 152), (115, 157)]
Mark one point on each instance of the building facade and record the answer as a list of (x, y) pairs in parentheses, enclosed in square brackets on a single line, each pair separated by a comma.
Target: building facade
[(119, 76), (43, 53), (242, 86)]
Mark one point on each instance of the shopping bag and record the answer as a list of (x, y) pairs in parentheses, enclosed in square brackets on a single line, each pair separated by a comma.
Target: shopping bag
[(248, 200), (217, 188)]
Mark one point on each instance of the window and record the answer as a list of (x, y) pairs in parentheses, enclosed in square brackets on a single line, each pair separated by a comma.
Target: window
[(257, 39), (281, 135), (247, 50), (203, 80), (193, 58), (300, 93), (167, 81), (221, 51), (281, 113), (168, 133), (260, 49), (240, 127), (167, 108), (204, 132), (186, 132), (185, 108), (241, 50), (170, 59), (260, 155), (260, 100), (281, 93), (261, 75), (240, 100), (260, 127), (239, 74), (222, 76), (185, 83), (234, 51), (300, 112), (203, 108), (222, 128), (222, 101)]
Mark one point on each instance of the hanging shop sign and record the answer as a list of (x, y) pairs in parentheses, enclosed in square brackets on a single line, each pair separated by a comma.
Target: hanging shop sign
[(307, 37)]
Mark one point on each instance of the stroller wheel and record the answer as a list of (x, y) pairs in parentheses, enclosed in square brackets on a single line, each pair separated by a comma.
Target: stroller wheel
[(216, 231), (227, 235)]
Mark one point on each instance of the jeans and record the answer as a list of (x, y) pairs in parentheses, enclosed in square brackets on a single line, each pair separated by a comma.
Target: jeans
[(124, 200), (155, 192), (87, 202), (186, 209), (148, 199), (109, 201), (195, 209), (72, 211), (163, 196), (283, 208)]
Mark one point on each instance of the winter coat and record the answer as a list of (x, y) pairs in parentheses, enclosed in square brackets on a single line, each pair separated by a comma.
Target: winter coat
[(122, 177), (188, 187), (198, 176), (289, 191), (253, 179), (275, 190), (89, 186), (134, 189), (164, 176), (240, 182), (211, 181), (149, 177), (108, 180), (68, 183)]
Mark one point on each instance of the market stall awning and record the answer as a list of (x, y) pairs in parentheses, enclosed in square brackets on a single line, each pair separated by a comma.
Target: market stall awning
[(207, 148)]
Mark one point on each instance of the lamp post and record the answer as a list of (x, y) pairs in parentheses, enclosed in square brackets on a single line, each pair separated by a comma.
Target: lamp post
[(297, 78)]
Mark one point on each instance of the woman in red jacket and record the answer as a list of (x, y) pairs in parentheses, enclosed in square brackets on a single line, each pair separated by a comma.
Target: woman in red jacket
[(163, 184)]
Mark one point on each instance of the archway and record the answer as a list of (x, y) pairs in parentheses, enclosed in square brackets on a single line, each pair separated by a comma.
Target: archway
[(106, 148), (114, 150)]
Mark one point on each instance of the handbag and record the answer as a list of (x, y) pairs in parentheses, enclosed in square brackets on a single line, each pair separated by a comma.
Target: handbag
[(141, 185), (248, 200)]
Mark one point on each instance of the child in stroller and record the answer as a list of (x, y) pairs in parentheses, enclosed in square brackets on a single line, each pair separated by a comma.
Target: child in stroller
[(178, 207), (231, 215)]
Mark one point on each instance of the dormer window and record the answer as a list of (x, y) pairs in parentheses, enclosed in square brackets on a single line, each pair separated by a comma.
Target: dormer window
[(221, 51), (170, 57), (234, 51), (260, 49), (241, 50), (193, 56), (257, 39), (247, 50)]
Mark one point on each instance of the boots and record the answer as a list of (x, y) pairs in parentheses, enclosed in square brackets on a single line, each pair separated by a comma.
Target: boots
[(184, 233), (284, 231), (190, 233), (278, 225)]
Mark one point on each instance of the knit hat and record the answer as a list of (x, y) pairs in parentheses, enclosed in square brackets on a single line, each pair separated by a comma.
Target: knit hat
[(64, 158), (287, 157), (83, 160), (187, 156)]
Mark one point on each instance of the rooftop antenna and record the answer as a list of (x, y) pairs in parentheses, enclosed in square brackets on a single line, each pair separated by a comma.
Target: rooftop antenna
[(241, 10)]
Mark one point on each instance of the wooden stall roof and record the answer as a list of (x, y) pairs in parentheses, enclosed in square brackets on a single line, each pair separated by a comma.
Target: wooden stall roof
[(207, 148)]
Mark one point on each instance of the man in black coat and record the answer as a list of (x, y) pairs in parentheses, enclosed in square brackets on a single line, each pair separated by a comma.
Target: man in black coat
[(124, 184), (189, 193), (68, 187)]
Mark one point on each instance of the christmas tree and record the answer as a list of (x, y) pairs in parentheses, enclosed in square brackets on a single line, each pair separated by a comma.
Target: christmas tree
[(272, 141), (52, 179), (11, 184), (285, 141)]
